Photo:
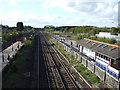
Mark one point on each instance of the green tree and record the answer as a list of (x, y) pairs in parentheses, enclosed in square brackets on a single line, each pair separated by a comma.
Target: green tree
[(20, 26), (115, 30)]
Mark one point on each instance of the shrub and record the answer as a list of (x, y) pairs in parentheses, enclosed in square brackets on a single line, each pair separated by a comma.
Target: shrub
[(27, 43)]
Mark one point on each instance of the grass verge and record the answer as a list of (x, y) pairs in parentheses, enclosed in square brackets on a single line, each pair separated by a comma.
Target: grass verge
[(15, 78)]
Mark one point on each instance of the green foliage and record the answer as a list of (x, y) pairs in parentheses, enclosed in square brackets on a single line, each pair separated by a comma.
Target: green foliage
[(0, 34), (115, 30), (27, 43), (103, 39), (18, 67), (49, 29), (82, 37), (91, 30), (81, 32), (20, 26), (92, 77), (9, 37)]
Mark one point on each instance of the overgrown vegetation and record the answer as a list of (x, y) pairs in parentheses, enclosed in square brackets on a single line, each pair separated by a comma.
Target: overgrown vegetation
[(28, 43), (22, 63), (8, 38), (92, 30), (92, 77), (80, 32), (11, 34)]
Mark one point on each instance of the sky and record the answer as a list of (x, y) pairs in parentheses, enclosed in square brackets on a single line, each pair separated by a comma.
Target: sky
[(38, 13)]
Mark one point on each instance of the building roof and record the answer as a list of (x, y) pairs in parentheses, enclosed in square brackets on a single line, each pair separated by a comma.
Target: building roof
[(110, 50)]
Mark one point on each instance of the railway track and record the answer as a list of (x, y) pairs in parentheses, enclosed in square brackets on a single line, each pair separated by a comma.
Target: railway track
[(55, 79), (59, 76)]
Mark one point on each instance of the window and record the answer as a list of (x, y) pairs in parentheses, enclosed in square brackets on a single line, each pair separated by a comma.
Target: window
[(105, 57), (88, 41), (100, 45), (108, 59), (93, 43), (102, 56), (99, 55), (96, 54), (112, 48), (104, 46)]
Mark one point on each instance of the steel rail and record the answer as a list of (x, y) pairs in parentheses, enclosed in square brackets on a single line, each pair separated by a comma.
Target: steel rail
[(65, 73)]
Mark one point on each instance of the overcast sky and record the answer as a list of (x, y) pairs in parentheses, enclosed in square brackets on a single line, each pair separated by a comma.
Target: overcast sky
[(39, 13)]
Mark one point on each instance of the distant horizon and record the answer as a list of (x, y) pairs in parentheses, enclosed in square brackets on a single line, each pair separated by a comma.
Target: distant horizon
[(63, 26)]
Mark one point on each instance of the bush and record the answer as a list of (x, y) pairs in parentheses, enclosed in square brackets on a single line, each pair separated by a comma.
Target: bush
[(27, 43)]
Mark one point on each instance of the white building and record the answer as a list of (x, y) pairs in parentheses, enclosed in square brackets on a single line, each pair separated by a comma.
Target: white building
[(106, 56), (109, 35)]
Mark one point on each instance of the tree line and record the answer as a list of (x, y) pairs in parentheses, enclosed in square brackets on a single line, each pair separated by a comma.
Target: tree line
[(81, 32)]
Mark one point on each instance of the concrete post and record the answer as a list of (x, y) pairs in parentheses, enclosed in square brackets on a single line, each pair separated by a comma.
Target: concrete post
[(104, 77)]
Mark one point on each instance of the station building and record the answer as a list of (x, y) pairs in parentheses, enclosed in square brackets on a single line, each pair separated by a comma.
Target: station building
[(99, 51), (106, 56)]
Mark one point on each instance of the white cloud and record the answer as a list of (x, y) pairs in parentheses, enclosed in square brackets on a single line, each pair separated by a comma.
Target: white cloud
[(13, 2), (116, 8), (90, 8), (0, 0), (102, 9), (13, 16), (106, 10)]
